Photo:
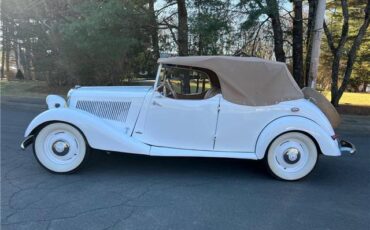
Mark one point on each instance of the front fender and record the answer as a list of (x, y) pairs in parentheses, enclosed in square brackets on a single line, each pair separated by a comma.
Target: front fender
[(327, 145), (99, 134)]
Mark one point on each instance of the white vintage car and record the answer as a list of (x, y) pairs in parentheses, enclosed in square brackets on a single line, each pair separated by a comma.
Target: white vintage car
[(207, 106)]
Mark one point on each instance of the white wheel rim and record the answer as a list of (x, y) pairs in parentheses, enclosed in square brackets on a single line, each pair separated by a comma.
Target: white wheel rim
[(292, 156), (60, 147)]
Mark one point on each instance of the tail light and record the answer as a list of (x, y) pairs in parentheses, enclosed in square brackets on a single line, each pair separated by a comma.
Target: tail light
[(335, 136)]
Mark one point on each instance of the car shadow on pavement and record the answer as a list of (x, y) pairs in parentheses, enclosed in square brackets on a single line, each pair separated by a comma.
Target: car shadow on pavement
[(101, 162)]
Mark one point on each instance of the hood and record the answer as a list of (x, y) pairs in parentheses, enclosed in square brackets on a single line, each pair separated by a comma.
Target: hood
[(116, 105), (97, 91)]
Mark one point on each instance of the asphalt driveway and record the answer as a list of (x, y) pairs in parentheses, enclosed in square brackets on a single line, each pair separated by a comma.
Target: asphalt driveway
[(120, 191)]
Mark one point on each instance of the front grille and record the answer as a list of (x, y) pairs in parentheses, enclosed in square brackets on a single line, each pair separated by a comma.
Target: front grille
[(111, 110)]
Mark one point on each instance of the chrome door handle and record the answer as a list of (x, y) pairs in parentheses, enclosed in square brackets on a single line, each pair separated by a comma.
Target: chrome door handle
[(155, 103)]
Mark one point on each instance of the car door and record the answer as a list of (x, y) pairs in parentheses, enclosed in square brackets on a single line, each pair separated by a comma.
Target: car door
[(183, 124), (186, 120)]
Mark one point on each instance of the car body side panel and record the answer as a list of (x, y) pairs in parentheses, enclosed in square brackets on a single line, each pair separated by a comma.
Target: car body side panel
[(99, 133), (327, 145), (239, 126)]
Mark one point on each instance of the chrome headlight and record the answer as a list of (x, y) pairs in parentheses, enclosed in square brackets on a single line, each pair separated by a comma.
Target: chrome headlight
[(69, 96)]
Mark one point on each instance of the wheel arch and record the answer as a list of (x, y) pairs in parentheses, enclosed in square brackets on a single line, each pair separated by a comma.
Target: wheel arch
[(322, 139), (295, 131), (39, 127)]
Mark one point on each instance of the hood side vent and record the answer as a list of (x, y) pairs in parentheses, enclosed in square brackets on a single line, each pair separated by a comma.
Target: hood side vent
[(111, 110)]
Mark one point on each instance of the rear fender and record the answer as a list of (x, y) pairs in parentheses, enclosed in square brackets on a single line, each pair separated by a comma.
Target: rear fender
[(99, 134), (327, 145)]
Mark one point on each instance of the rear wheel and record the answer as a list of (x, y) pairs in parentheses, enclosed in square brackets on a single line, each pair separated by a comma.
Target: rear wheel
[(292, 156), (60, 148)]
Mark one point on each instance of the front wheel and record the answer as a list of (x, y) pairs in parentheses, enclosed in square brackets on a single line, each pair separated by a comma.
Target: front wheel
[(60, 148), (292, 156)]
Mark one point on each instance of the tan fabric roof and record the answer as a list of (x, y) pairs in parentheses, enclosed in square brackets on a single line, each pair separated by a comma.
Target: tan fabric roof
[(245, 80)]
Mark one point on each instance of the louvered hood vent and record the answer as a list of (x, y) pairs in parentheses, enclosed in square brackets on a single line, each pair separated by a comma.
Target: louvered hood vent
[(111, 110)]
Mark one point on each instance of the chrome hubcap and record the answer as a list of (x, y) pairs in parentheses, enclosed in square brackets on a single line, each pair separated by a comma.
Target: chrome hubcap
[(60, 147), (292, 155)]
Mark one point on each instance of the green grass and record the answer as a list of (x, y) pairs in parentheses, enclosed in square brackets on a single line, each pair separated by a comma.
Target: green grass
[(27, 88), (361, 99)]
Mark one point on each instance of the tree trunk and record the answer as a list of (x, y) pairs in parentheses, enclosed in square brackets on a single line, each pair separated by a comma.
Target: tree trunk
[(2, 62), (351, 56), (200, 38), (7, 59), (182, 34), (298, 43), (7, 44), (337, 51), (3, 50), (16, 55), (310, 28), (28, 60), (273, 13), (316, 42), (154, 30), (3, 41)]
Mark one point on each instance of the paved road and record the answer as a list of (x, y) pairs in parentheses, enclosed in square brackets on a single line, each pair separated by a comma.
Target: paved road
[(136, 192)]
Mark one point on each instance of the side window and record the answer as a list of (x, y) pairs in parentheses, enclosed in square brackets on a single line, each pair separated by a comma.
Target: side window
[(187, 81)]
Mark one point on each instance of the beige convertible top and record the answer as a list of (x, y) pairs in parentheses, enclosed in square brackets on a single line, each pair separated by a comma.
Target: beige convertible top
[(246, 80)]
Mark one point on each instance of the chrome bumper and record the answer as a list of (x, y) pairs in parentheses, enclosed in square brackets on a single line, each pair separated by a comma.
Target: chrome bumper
[(27, 142), (346, 147)]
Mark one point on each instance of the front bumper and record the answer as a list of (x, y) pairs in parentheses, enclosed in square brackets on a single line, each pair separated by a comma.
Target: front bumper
[(346, 148), (27, 142)]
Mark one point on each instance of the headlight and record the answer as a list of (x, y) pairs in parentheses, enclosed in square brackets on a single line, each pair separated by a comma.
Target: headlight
[(69, 96)]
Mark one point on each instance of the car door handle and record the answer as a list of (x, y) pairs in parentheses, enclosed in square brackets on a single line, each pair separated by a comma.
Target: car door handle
[(155, 103)]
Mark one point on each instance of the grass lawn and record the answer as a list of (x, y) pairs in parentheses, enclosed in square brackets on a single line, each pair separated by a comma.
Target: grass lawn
[(40, 89), (28, 89), (360, 99)]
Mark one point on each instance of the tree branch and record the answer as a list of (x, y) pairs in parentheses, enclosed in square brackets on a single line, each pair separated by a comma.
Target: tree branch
[(257, 33), (344, 34), (170, 27), (329, 37)]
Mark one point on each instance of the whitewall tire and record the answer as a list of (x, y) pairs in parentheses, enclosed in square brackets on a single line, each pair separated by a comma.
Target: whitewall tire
[(292, 156), (60, 148)]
